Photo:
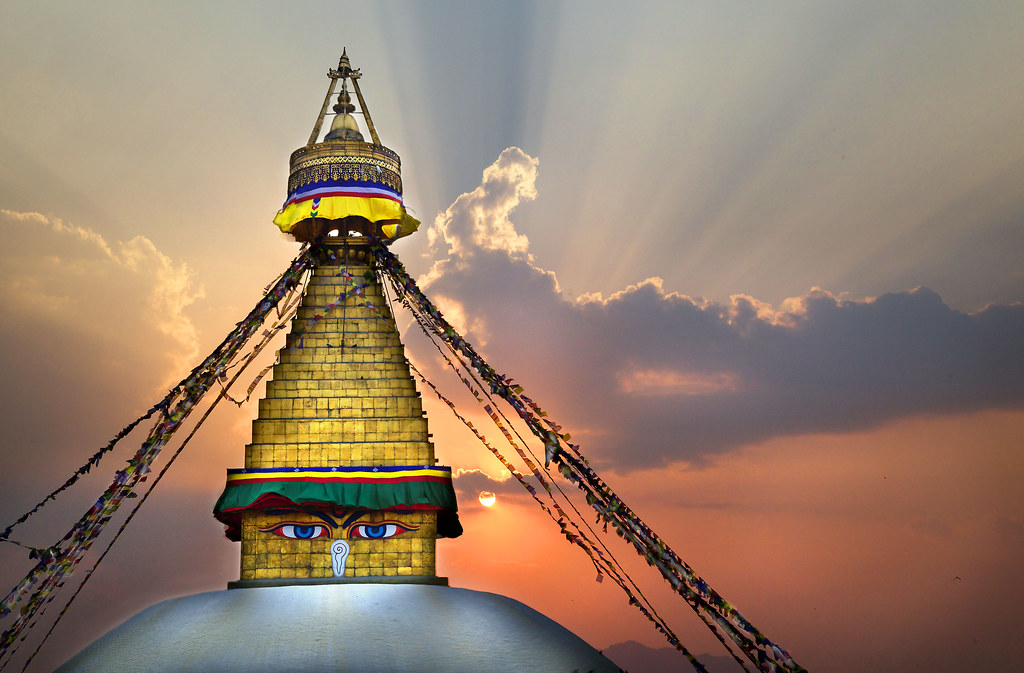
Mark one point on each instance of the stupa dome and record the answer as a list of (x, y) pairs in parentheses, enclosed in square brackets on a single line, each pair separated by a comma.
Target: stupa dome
[(343, 628)]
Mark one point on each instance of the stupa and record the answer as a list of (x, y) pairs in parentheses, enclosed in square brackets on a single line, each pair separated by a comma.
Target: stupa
[(340, 500)]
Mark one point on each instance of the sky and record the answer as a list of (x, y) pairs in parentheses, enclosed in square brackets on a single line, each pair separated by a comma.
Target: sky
[(761, 259)]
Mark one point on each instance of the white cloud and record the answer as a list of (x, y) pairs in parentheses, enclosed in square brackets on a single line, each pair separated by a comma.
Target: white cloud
[(59, 226), (75, 283), (479, 220), (647, 375), (171, 293)]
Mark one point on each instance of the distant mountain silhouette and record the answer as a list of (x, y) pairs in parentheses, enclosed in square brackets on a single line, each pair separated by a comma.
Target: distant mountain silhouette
[(637, 658)]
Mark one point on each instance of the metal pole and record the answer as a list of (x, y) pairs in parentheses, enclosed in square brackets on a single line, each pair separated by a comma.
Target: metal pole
[(366, 113), (323, 111)]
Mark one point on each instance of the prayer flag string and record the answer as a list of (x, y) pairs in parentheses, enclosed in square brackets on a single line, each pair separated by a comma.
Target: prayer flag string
[(605, 565), (644, 605), (704, 600), (57, 562), (601, 564), (265, 339)]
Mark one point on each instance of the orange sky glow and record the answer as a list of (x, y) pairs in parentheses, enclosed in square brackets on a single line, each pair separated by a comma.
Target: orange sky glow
[(762, 263)]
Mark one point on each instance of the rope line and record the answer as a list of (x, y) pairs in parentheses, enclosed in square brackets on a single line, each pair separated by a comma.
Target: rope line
[(29, 598), (83, 470), (267, 337), (761, 651), (58, 561), (612, 568)]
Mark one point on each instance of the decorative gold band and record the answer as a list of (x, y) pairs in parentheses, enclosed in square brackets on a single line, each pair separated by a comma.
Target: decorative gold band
[(345, 160), (344, 168)]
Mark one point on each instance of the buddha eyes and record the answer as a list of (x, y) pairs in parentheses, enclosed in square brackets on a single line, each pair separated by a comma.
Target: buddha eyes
[(360, 531), (377, 531), (296, 531)]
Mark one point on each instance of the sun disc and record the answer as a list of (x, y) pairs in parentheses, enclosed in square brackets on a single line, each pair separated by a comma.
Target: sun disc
[(487, 498)]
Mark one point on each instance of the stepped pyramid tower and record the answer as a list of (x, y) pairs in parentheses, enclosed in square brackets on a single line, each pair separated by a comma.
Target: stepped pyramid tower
[(340, 479), (340, 501)]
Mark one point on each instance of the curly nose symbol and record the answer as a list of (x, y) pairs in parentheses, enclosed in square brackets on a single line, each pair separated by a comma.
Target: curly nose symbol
[(339, 554)]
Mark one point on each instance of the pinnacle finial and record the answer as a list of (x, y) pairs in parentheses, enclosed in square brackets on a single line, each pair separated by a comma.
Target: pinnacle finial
[(351, 160), (344, 67)]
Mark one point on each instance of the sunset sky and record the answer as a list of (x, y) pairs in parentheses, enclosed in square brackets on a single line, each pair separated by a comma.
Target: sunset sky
[(763, 260)]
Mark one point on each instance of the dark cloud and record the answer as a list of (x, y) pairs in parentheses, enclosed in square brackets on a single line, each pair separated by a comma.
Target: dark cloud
[(647, 376), (469, 484)]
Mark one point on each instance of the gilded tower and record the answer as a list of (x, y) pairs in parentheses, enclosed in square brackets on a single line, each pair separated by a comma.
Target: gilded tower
[(340, 480)]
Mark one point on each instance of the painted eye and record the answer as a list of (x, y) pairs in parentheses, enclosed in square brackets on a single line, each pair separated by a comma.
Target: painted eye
[(296, 531), (377, 531)]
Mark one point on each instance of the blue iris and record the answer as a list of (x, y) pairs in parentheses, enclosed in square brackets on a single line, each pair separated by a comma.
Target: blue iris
[(377, 531), (305, 532)]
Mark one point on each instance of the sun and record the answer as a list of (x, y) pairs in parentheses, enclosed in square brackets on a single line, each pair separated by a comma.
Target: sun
[(487, 499)]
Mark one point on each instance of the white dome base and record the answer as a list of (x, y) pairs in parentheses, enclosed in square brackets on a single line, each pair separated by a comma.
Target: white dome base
[(350, 628)]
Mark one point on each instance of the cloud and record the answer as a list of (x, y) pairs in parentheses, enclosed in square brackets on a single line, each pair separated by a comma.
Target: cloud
[(171, 292), (59, 226), (479, 220), (643, 382), (55, 275), (648, 376), (469, 483)]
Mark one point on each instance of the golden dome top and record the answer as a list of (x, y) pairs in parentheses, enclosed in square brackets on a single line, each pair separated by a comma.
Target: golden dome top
[(344, 127)]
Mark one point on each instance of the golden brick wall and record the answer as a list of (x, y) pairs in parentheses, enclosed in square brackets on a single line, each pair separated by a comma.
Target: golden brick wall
[(341, 394)]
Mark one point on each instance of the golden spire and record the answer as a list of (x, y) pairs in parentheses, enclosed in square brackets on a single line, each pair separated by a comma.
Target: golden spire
[(345, 73), (343, 186)]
